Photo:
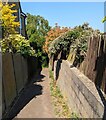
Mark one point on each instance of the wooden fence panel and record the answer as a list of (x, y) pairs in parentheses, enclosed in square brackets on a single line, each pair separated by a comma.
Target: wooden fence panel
[(8, 79), (0, 83), (25, 70), (18, 72), (3, 101), (94, 65)]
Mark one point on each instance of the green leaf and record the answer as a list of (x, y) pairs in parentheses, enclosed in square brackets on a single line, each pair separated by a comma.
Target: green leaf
[(104, 19)]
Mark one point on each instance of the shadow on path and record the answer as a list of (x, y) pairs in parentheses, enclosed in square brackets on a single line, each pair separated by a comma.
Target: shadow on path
[(31, 91)]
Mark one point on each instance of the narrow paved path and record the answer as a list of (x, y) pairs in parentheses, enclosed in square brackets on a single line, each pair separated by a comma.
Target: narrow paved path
[(35, 101), (40, 106)]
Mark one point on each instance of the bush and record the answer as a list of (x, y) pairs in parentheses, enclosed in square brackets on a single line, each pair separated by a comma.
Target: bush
[(74, 40), (63, 42), (16, 43)]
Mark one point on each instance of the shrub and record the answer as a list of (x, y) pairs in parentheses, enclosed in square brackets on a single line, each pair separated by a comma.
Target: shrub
[(16, 43), (52, 35), (73, 40), (62, 43)]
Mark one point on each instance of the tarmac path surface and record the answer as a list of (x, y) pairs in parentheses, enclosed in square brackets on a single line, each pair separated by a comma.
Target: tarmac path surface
[(35, 100)]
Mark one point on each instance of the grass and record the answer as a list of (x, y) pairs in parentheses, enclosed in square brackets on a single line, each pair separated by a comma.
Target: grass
[(60, 107), (74, 116)]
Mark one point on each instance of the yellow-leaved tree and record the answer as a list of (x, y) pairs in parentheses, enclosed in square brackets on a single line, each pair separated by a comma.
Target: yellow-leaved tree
[(7, 18)]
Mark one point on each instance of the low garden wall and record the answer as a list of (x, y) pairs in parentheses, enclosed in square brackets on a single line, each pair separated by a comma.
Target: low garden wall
[(82, 96)]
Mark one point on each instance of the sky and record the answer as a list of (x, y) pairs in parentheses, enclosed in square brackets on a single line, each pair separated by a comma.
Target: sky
[(68, 14)]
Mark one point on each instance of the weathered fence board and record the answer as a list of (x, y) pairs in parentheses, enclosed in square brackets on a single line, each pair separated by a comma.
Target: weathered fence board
[(32, 66), (0, 83), (24, 70), (8, 79), (15, 77), (18, 72), (3, 101), (94, 65)]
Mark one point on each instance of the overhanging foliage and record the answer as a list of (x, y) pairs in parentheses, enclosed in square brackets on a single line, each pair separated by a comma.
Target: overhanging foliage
[(75, 39)]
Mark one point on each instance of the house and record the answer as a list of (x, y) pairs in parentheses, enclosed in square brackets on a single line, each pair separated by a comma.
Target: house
[(21, 17)]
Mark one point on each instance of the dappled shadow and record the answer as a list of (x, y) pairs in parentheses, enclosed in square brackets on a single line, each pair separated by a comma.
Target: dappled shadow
[(31, 91), (58, 67)]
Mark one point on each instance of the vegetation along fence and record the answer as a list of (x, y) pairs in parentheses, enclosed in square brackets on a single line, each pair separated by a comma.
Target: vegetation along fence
[(94, 65), (15, 76)]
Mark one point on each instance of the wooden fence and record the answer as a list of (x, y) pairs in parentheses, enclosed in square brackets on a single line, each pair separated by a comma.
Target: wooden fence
[(94, 65), (14, 78), (0, 84)]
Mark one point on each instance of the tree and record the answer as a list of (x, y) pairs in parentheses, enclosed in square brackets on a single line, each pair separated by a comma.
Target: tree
[(12, 42), (53, 34), (37, 28), (73, 42), (7, 19)]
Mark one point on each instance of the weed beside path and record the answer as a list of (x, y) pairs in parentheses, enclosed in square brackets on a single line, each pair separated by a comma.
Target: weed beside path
[(59, 103), (60, 107)]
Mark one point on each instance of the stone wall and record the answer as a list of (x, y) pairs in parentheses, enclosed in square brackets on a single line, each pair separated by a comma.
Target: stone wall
[(82, 96)]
